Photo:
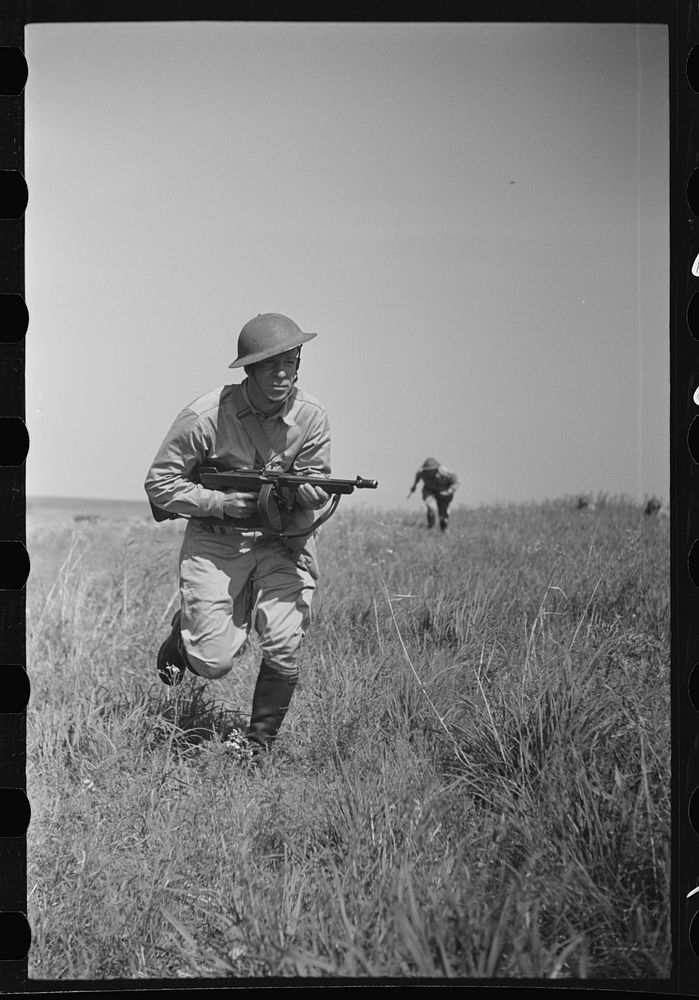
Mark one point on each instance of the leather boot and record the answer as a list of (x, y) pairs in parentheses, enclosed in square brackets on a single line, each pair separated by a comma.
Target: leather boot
[(270, 701), (172, 659)]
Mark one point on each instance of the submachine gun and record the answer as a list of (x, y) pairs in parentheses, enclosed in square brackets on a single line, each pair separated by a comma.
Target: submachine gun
[(276, 495)]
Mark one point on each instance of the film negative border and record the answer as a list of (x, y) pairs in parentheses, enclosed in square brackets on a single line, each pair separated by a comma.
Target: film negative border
[(15, 932), (684, 359)]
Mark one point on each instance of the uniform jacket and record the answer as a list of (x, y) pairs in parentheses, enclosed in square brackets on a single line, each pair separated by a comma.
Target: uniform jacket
[(208, 432), (440, 480)]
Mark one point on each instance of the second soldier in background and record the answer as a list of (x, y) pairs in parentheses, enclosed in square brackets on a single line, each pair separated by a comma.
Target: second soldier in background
[(438, 487)]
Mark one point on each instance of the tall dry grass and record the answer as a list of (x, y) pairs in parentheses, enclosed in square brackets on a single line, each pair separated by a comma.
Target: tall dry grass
[(473, 779)]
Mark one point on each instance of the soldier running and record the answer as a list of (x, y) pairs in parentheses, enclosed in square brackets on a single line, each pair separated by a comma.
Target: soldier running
[(233, 576), (438, 487)]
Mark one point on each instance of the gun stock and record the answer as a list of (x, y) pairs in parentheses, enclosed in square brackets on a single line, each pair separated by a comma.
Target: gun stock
[(162, 515)]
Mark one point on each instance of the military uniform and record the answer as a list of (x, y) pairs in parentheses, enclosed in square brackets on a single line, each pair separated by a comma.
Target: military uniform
[(236, 574), (438, 487), (232, 576)]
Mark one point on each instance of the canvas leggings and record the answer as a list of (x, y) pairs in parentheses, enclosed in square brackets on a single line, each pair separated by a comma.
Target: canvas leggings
[(230, 583), (437, 506)]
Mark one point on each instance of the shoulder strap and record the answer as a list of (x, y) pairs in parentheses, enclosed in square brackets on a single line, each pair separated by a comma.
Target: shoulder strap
[(264, 453)]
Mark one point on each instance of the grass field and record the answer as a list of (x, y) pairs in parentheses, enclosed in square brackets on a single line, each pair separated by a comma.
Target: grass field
[(473, 779)]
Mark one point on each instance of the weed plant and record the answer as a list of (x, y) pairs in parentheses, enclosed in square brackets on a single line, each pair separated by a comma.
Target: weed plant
[(473, 779)]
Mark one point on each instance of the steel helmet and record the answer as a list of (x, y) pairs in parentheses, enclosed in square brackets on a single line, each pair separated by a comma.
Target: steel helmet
[(430, 463), (266, 335)]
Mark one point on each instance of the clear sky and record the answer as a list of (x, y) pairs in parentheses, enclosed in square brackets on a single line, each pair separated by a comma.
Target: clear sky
[(472, 217)]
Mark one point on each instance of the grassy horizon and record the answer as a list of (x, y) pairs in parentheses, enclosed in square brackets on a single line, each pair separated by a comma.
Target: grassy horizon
[(473, 779)]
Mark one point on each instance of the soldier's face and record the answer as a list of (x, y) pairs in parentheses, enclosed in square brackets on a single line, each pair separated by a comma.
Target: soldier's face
[(275, 376)]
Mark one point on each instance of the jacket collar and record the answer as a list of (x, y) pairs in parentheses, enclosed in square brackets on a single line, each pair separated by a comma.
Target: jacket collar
[(284, 411)]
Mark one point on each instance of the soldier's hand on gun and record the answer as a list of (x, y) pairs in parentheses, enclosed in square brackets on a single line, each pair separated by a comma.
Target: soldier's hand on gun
[(311, 497), (239, 504)]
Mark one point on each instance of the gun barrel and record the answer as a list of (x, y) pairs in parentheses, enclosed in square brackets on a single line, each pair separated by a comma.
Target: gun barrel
[(330, 485)]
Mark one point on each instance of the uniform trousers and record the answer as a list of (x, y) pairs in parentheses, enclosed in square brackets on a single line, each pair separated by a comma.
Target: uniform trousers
[(436, 504), (232, 581)]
